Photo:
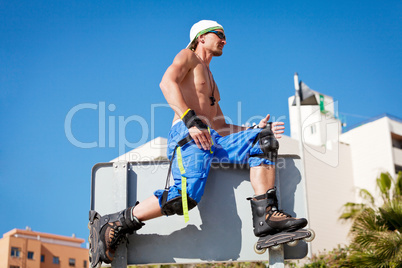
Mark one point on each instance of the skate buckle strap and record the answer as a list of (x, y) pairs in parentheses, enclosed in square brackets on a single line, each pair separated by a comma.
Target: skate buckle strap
[(258, 197), (183, 185), (271, 193)]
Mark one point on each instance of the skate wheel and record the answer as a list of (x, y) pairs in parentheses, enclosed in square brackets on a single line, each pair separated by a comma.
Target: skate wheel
[(276, 247), (259, 250), (311, 237), (292, 243)]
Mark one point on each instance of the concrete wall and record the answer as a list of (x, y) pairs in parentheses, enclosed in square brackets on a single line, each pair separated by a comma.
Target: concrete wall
[(4, 251), (329, 188), (25, 245), (395, 127), (64, 253), (329, 177), (371, 152)]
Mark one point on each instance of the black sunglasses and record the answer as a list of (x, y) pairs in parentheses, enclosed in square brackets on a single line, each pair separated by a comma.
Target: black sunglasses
[(219, 34)]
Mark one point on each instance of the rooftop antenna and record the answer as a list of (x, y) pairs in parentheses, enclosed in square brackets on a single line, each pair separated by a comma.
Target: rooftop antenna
[(301, 147)]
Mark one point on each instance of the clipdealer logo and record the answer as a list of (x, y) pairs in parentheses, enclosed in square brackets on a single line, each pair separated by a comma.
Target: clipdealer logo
[(112, 129)]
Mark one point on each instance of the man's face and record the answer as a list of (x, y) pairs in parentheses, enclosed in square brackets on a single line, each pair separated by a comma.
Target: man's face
[(215, 40)]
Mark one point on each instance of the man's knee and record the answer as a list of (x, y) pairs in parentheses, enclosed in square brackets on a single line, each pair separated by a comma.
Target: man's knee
[(269, 145), (175, 205)]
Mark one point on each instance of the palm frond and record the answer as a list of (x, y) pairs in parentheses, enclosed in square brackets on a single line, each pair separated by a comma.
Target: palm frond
[(376, 231), (367, 196), (384, 184), (398, 186), (351, 210), (362, 258), (392, 214), (389, 245), (367, 221)]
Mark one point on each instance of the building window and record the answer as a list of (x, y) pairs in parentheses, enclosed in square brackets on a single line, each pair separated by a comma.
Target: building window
[(85, 264), (42, 258), (15, 252), (313, 129), (56, 260), (71, 262), (398, 169), (30, 255), (396, 141)]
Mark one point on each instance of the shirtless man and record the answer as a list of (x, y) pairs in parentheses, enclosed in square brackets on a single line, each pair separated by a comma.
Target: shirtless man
[(199, 134)]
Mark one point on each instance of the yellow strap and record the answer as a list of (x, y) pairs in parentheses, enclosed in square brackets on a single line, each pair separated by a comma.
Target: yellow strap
[(184, 198), (183, 115), (183, 185), (210, 149), (180, 160)]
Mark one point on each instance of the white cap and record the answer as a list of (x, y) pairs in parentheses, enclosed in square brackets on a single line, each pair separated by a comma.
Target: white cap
[(201, 28)]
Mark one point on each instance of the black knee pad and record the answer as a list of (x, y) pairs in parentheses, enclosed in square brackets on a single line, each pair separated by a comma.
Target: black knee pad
[(175, 205), (268, 144)]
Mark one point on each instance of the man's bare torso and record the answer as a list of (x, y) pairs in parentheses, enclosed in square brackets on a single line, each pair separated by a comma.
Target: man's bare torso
[(197, 87)]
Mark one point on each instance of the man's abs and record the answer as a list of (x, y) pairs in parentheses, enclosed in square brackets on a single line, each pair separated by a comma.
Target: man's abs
[(196, 90)]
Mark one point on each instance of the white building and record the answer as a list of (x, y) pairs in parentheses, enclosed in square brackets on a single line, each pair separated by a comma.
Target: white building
[(320, 125), (375, 146)]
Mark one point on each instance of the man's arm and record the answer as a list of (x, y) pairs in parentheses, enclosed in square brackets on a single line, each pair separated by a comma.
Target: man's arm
[(225, 129), (170, 86), (171, 80)]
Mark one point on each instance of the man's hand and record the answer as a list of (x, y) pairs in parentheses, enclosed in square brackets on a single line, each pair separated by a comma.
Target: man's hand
[(201, 137), (197, 129), (277, 127)]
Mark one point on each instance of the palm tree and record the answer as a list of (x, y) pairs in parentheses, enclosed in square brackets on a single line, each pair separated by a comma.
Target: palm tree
[(376, 230)]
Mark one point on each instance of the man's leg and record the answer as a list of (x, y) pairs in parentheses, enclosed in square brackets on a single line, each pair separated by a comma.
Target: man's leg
[(262, 178), (267, 218), (148, 209), (107, 231), (260, 148)]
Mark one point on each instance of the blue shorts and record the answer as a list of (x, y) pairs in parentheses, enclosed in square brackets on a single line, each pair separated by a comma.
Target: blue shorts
[(195, 163)]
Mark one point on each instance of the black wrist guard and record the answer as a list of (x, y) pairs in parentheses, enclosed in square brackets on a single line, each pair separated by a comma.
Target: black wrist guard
[(190, 119)]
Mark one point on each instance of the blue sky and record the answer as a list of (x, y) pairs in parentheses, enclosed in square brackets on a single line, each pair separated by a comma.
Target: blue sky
[(95, 67)]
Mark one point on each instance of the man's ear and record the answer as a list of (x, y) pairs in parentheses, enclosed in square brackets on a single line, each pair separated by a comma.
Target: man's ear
[(201, 38)]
